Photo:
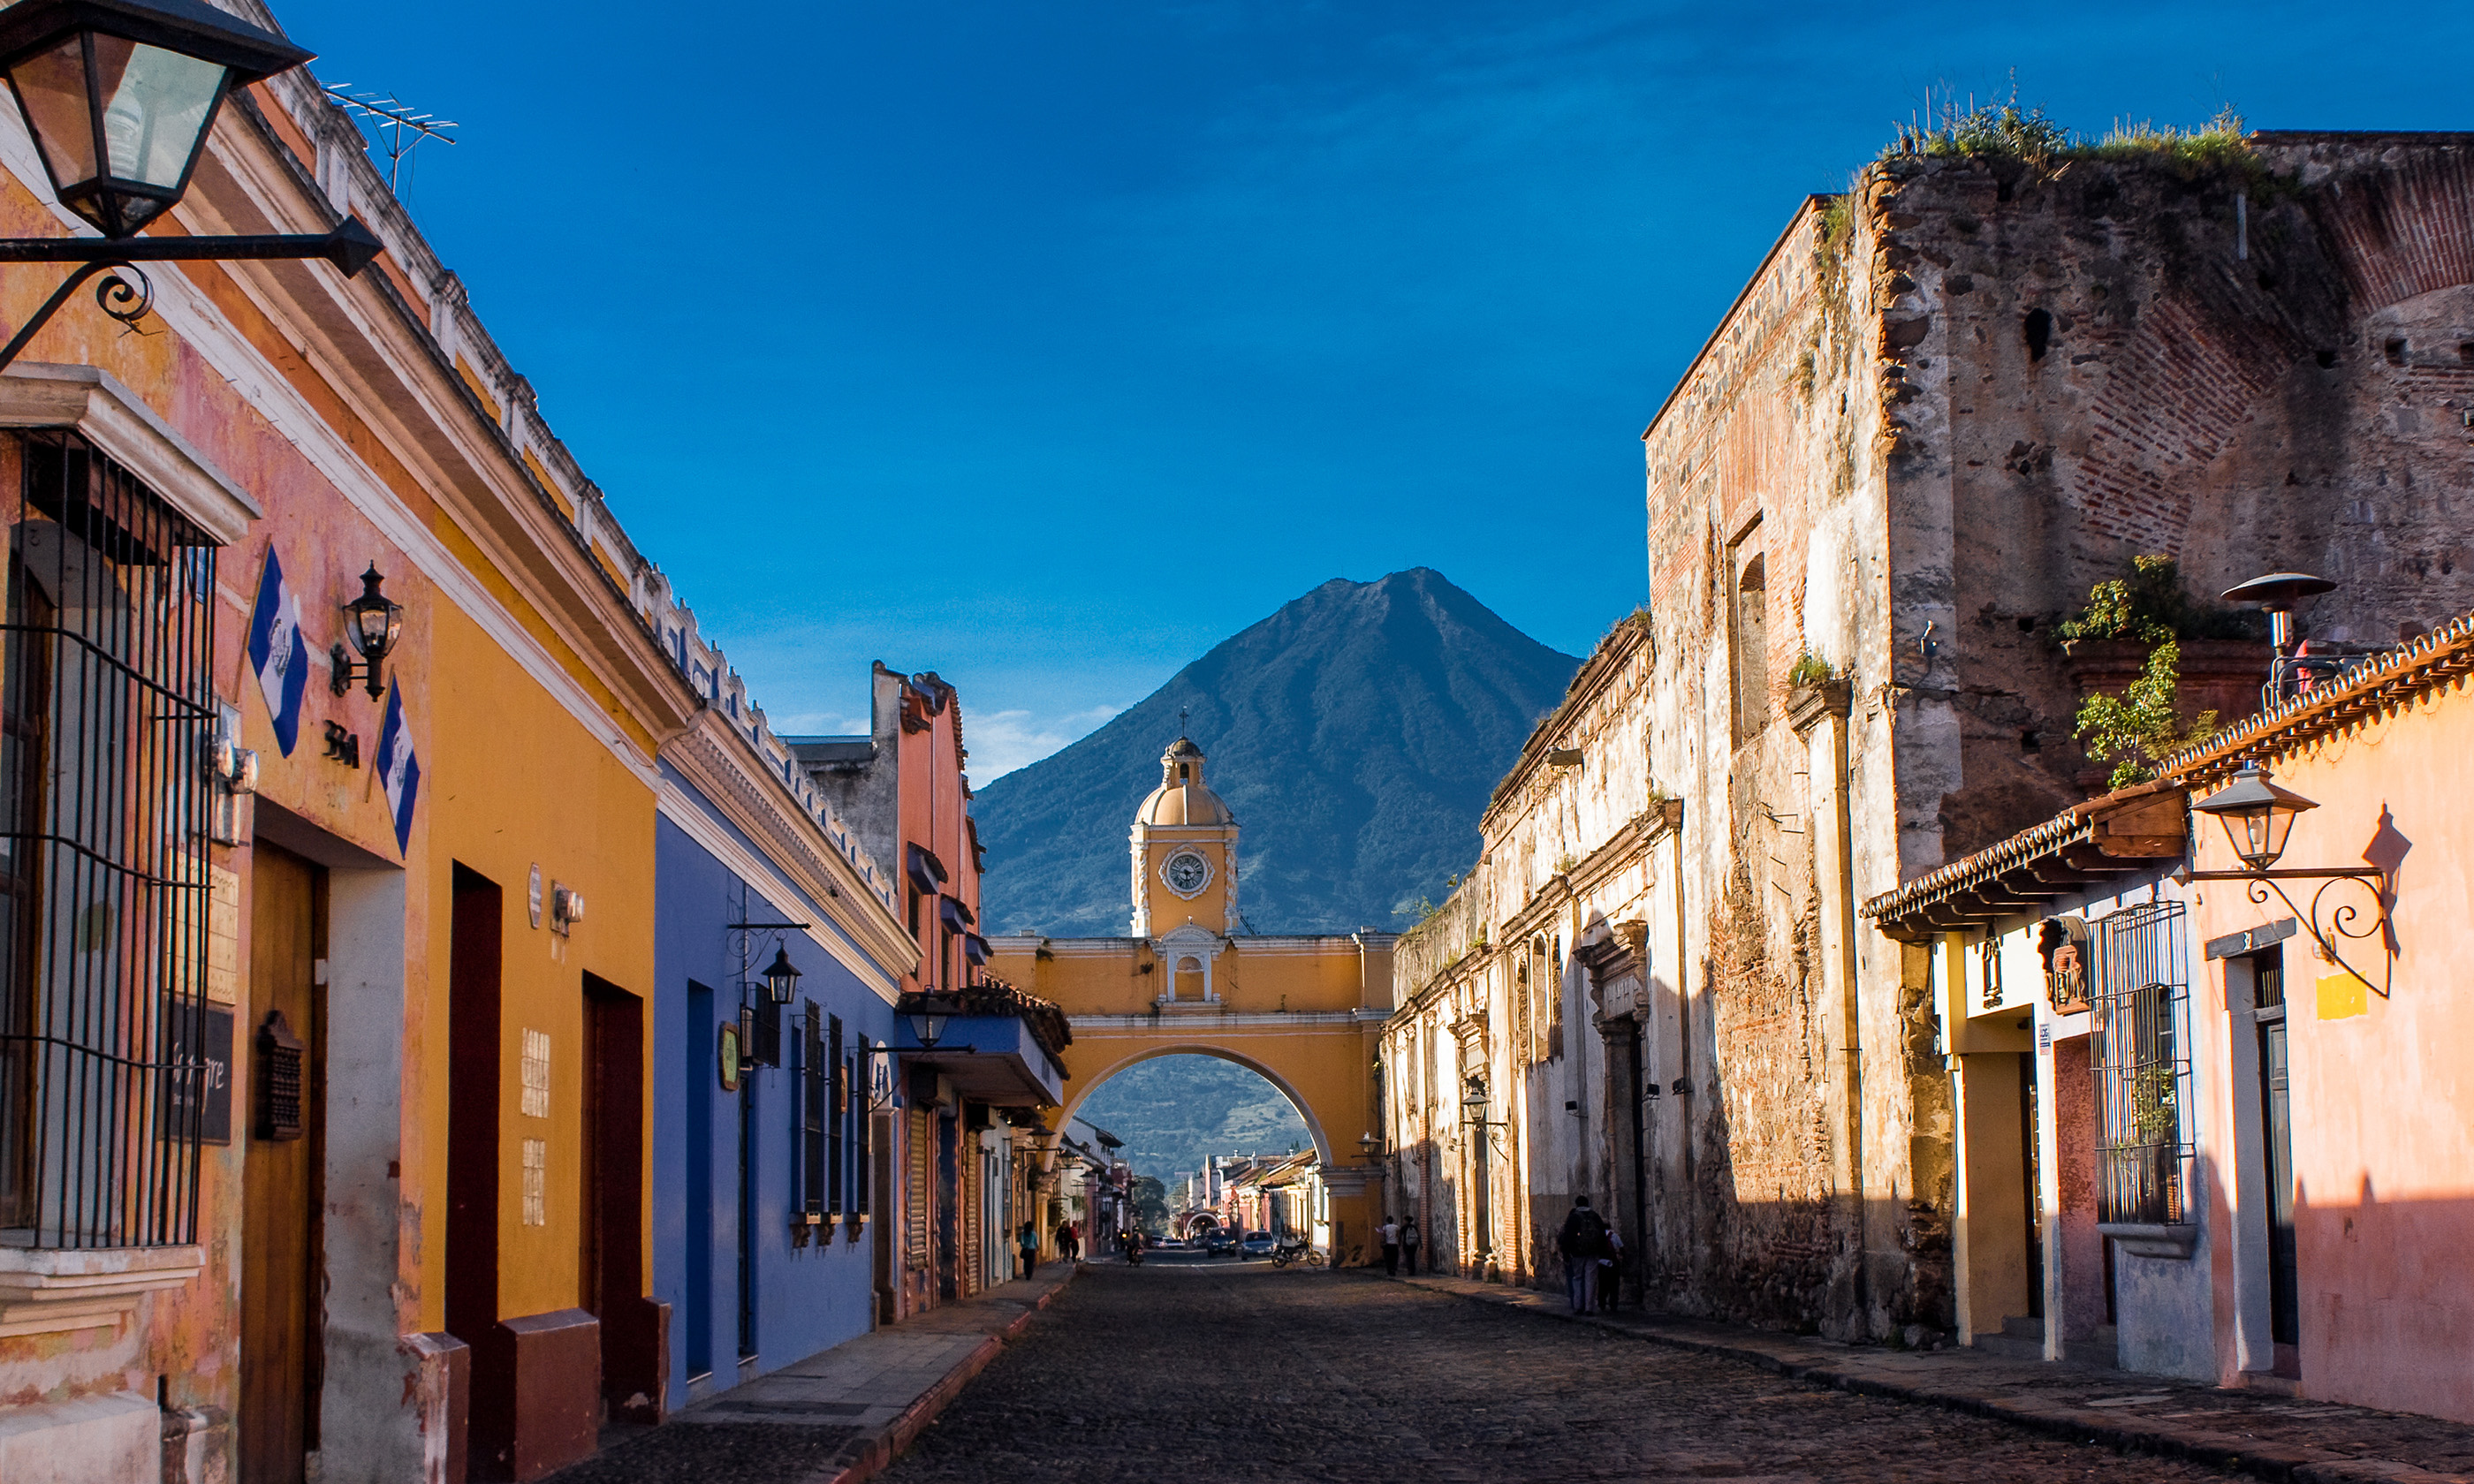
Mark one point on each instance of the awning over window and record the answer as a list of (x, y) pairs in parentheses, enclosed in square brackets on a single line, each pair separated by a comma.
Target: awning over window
[(956, 917), (926, 872), (975, 947)]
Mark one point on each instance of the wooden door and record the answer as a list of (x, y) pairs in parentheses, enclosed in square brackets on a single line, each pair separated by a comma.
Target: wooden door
[(280, 1240)]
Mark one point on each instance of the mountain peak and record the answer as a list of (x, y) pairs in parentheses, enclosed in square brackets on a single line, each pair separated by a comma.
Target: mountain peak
[(1357, 730)]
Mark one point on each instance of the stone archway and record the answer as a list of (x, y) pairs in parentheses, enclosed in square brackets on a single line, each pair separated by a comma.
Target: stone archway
[(1080, 1090)]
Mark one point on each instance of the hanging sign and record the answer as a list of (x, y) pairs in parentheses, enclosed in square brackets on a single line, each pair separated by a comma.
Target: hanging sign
[(729, 1055)]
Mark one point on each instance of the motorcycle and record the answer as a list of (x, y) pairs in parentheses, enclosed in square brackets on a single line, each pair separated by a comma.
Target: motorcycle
[(1134, 1253), (1297, 1251)]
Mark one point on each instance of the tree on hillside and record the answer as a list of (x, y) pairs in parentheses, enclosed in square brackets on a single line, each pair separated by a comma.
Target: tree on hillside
[(1151, 1205)]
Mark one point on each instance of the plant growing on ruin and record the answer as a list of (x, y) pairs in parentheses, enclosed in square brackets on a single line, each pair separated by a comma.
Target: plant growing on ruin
[(1810, 669), (2147, 606), (2138, 728)]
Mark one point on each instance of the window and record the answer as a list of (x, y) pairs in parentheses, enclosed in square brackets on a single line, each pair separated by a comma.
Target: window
[(836, 1114), (2143, 1068), (1748, 612), (812, 1111), (106, 708)]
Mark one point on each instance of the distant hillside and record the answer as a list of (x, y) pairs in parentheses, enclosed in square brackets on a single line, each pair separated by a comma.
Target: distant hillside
[(1174, 1111), (1356, 732)]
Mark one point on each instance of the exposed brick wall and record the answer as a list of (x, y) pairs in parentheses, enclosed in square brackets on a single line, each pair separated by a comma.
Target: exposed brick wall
[(2276, 385)]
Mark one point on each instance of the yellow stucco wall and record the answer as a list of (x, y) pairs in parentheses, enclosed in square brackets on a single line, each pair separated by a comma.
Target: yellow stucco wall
[(516, 781)]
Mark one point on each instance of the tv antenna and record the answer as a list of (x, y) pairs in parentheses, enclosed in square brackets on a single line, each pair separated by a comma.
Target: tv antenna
[(398, 125)]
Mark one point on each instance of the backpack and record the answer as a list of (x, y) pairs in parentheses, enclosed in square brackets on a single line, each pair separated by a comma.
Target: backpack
[(1588, 1234)]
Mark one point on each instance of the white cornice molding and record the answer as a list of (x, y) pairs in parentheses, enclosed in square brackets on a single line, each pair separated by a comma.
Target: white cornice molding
[(545, 556), (107, 413), (805, 869)]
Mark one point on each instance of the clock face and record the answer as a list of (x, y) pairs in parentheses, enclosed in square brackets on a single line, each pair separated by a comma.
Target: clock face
[(1185, 872)]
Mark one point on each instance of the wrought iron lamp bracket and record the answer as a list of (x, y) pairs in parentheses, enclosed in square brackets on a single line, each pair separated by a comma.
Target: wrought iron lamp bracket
[(2340, 917), (350, 246)]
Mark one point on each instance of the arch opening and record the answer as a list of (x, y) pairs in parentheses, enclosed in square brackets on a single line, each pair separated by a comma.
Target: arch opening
[(1177, 1105)]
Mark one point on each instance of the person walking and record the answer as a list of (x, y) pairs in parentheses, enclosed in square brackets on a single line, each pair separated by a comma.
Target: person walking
[(1409, 1240), (1581, 1242), (1027, 1240), (1389, 1232), (1610, 1272)]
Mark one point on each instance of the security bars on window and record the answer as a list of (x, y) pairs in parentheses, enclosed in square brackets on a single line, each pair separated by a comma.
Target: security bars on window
[(106, 709), (2143, 1066)]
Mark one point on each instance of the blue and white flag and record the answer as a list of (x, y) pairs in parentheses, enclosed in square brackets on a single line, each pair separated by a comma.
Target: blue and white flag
[(278, 651), (398, 769)]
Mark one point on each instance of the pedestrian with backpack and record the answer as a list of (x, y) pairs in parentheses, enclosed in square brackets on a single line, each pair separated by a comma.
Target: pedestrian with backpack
[(1409, 1240), (1581, 1242), (1610, 1272)]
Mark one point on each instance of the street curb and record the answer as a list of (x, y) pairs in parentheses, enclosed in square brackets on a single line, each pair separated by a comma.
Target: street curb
[(2284, 1464), (876, 1451)]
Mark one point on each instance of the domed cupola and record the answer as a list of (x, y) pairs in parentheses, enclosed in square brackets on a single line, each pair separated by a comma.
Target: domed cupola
[(1184, 851), (1182, 797)]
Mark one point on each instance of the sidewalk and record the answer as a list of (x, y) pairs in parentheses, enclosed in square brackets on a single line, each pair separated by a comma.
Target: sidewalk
[(838, 1417), (2264, 1435)]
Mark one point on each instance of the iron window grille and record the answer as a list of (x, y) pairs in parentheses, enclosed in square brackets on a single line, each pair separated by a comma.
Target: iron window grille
[(811, 1114), (836, 1114), (2143, 1066), (107, 708)]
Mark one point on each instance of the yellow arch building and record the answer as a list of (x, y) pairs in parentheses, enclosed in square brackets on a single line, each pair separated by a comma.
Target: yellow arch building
[(1303, 1010)]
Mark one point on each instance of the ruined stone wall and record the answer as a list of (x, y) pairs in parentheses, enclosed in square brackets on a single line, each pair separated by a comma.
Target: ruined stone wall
[(1944, 407), (1768, 545)]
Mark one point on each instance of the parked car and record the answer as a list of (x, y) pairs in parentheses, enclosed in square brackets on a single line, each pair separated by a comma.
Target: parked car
[(1257, 1244), (1219, 1242)]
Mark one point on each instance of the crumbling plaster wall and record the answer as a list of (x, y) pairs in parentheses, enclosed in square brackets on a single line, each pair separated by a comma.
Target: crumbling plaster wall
[(1774, 446), (1944, 407)]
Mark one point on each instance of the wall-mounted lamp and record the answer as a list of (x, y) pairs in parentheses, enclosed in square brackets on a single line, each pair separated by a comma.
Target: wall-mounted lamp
[(373, 622), (2258, 817), (928, 1017), (119, 96), (566, 909), (781, 978)]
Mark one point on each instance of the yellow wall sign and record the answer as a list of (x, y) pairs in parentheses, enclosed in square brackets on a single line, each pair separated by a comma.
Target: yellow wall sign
[(2341, 996), (729, 1038)]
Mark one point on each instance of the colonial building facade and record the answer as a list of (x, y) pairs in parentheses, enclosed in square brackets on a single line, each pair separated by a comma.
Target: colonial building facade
[(1946, 406), (2209, 1120)]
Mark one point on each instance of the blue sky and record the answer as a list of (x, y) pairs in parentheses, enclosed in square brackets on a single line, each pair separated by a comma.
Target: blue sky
[(1046, 344)]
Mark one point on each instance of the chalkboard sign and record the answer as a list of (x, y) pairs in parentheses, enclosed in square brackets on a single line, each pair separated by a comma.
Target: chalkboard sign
[(205, 1092)]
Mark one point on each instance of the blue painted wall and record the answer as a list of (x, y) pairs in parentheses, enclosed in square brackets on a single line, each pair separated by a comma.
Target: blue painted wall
[(805, 1299)]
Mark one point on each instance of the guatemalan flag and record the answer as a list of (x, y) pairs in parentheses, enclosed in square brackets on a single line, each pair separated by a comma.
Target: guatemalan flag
[(400, 770), (278, 651)]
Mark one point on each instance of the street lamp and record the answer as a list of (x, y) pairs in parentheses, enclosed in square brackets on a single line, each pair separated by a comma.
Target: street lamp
[(2256, 814), (373, 622), (781, 976), (2258, 817), (119, 96), (928, 1022)]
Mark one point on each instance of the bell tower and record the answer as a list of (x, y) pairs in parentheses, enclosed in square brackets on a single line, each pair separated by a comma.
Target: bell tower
[(1184, 855)]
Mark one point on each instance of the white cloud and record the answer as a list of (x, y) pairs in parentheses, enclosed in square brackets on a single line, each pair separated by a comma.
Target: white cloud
[(1001, 741), (818, 724)]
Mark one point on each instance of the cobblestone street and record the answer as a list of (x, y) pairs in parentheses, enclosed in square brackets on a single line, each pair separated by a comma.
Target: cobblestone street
[(1246, 1372)]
